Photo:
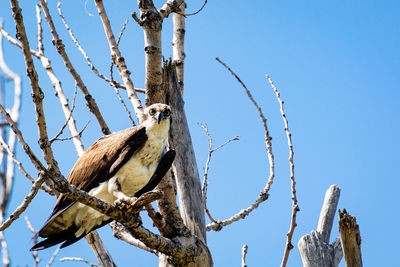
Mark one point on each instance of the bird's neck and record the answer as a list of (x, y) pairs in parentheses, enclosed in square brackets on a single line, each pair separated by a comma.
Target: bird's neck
[(155, 130)]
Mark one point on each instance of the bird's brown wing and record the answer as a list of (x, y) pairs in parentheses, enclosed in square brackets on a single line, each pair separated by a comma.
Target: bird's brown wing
[(99, 163)]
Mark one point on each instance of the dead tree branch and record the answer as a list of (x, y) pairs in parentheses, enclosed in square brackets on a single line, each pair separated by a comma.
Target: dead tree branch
[(35, 237), (21, 208), (295, 206), (194, 13), (205, 182), (244, 253), (119, 60), (53, 256), (314, 248), (37, 94), (21, 168), (178, 43), (58, 43), (80, 259), (185, 166), (350, 238), (111, 81), (168, 7), (67, 121), (120, 232), (55, 82), (264, 193)]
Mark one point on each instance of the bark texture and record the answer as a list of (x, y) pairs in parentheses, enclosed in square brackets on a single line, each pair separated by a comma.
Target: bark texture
[(185, 166), (187, 182), (178, 43), (350, 238), (152, 26)]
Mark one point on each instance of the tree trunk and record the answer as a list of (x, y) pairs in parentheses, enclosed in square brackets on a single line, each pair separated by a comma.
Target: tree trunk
[(185, 170), (185, 166)]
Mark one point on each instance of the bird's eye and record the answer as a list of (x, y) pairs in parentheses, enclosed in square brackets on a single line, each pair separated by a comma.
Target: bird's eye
[(152, 111), (167, 112)]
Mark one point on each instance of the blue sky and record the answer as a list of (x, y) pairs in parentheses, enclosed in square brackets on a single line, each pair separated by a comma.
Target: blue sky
[(336, 65)]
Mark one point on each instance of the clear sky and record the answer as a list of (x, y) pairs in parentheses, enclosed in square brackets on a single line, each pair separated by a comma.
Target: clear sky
[(336, 64)]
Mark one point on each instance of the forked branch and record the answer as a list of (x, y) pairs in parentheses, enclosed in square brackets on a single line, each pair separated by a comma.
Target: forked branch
[(205, 182), (58, 43), (264, 193), (119, 60)]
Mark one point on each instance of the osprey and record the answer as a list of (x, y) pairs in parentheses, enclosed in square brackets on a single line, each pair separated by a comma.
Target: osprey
[(117, 166)]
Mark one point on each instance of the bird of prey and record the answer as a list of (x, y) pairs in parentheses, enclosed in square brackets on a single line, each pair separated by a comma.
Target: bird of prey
[(117, 166)]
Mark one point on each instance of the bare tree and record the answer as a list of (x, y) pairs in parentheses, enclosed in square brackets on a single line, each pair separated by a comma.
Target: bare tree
[(182, 237)]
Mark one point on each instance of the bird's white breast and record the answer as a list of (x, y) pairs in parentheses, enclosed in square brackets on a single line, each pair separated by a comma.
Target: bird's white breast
[(129, 179), (136, 173)]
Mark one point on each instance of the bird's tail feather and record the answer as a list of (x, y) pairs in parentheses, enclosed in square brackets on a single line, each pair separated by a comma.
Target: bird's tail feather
[(66, 236), (57, 238)]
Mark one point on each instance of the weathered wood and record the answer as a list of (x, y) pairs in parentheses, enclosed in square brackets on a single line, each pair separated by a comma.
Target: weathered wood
[(99, 249), (328, 211), (316, 253), (185, 166), (314, 248), (350, 238), (178, 43)]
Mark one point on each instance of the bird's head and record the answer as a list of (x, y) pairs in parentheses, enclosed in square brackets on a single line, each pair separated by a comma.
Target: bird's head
[(157, 114)]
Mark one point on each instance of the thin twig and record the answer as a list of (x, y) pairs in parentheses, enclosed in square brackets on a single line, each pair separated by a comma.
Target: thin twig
[(112, 78), (25, 203), (72, 137), (119, 60), (53, 256), (295, 207), (122, 31), (40, 30), (69, 117), (15, 42), (191, 14), (264, 193), (36, 162), (119, 39), (91, 103), (205, 182), (35, 238), (29, 225), (125, 107), (244, 253), (80, 259), (59, 92), (90, 63), (21, 168)]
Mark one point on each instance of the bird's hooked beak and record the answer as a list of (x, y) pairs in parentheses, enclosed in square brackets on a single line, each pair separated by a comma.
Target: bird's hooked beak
[(160, 117)]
